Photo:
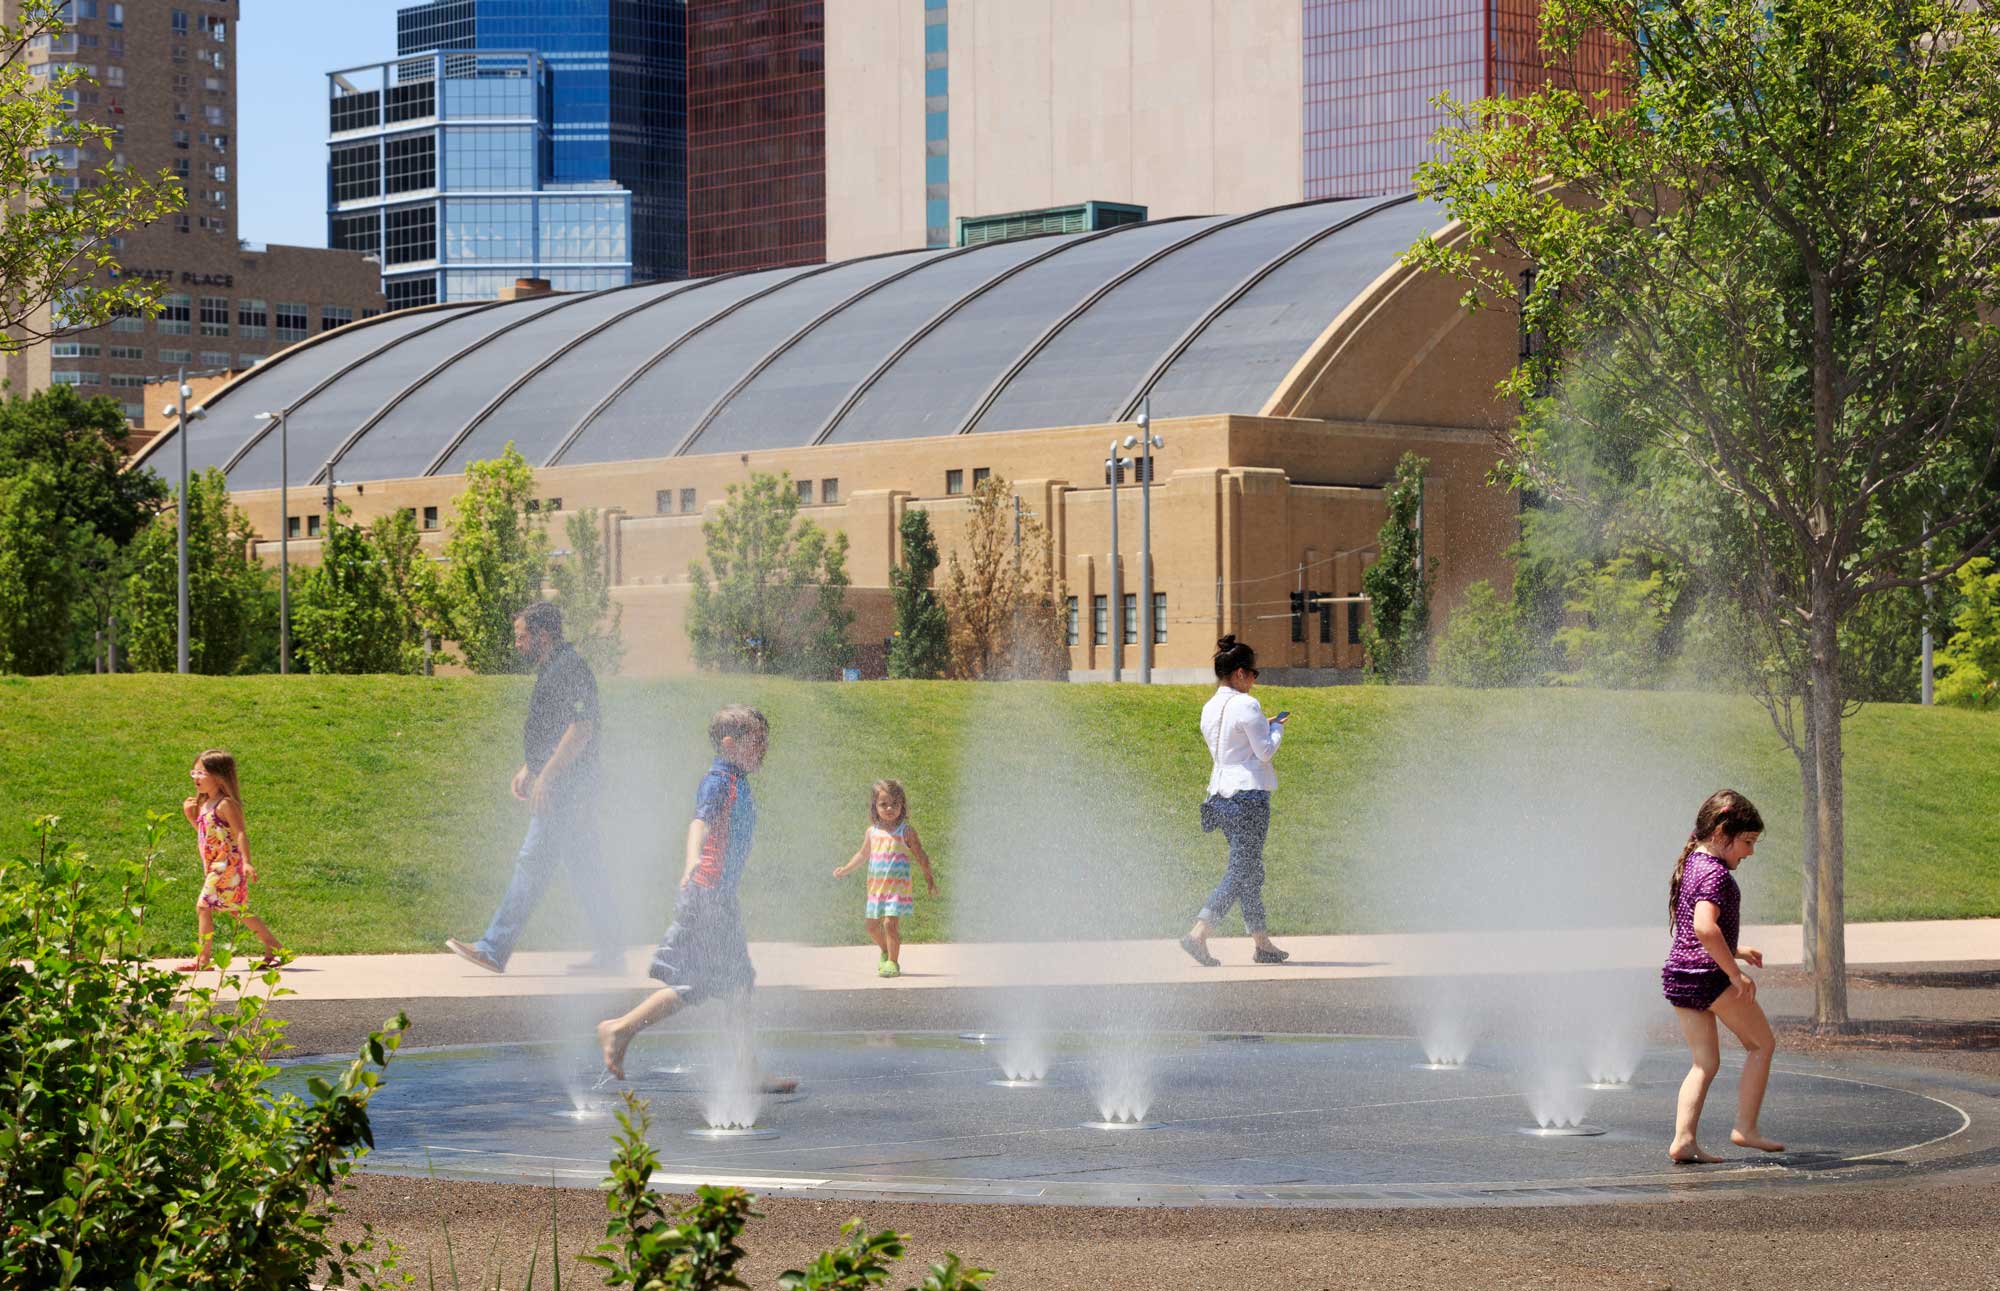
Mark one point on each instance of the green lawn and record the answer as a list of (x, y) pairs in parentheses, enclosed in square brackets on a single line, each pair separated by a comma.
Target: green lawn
[(380, 818)]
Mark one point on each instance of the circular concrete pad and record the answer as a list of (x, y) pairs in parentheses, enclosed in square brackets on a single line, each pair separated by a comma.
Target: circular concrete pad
[(1267, 1120)]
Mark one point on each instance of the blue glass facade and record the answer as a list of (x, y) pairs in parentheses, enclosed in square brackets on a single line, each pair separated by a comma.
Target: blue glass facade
[(440, 165), (618, 97)]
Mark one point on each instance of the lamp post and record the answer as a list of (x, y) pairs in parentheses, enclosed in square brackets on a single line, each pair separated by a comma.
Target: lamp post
[(284, 541), (182, 415), (1114, 466), (1147, 441)]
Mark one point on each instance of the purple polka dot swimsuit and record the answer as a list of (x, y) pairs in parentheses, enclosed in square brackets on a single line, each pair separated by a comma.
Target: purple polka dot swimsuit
[(1691, 978)]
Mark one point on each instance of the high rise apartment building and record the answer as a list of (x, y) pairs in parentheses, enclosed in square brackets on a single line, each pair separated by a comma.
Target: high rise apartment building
[(616, 107), (162, 75), (906, 116)]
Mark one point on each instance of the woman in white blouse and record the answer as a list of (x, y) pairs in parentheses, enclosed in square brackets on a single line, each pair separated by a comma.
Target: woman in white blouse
[(1241, 741)]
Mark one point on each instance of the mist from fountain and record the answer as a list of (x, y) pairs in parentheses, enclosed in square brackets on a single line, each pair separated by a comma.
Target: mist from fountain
[(1526, 839)]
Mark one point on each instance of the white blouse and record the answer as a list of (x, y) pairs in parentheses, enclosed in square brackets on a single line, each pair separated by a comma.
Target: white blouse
[(1241, 740)]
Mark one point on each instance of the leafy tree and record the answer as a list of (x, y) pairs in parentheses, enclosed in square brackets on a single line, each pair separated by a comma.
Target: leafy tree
[(57, 235), (1969, 665), (1004, 604), (1779, 274), (583, 593), (497, 553), (1484, 645), (771, 595), (1398, 585), (83, 444), (39, 575), (414, 586), (921, 646), (346, 617), (232, 611)]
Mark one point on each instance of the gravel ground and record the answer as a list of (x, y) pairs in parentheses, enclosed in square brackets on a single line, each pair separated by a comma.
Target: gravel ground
[(1939, 1232)]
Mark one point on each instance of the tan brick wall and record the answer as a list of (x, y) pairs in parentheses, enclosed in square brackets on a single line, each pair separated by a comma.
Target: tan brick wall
[(1246, 510)]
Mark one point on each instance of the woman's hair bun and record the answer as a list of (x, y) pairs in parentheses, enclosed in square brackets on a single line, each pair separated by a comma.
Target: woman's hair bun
[(1226, 643)]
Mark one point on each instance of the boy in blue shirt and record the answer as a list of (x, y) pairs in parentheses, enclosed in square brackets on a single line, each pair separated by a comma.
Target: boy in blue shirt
[(704, 953)]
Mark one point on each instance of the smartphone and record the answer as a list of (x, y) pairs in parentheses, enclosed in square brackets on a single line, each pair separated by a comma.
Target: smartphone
[(1283, 715)]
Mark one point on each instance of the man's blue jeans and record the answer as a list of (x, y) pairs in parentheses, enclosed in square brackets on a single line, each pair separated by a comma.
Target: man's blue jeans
[(567, 835)]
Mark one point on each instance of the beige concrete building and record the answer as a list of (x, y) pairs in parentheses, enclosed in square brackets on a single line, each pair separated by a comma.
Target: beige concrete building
[(1288, 358), (1182, 106), (163, 76)]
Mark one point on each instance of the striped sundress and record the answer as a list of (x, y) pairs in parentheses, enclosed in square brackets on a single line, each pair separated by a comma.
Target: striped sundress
[(890, 893)]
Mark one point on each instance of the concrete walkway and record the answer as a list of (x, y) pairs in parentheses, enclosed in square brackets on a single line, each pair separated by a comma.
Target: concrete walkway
[(965, 964)]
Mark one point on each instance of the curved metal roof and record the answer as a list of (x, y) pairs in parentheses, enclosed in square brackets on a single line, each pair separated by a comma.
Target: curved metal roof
[(1205, 315)]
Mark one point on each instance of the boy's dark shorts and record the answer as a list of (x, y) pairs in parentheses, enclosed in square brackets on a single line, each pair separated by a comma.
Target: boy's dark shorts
[(704, 954)]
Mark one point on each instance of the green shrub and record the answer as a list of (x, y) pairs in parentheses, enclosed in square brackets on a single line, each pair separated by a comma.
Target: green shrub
[(1484, 644), (138, 1145), (1969, 666), (698, 1246)]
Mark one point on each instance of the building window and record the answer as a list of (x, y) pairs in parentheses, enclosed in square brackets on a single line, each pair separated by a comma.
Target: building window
[(829, 491), (805, 493), (291, 526), (1069, 621), (292, 321), (1130, 626), (1325, 622), (490, 229), (114, 15), (131, 353), (663, 502), (954, 483), (1354, 623), (358, 232), (252, 319), (215, 315), (1159, 618), (687, 501), (430, 517), (180, 21), (356, 170), (312, 526), (486, 159), (181, 222), (551, 504), (176, 314), (176, 356), (73, 350), (215, 358), (128, 380), (584, 229), (1100, 620), (411, 235), (980, 474), (332, 316), (409, 164), (409, 293), (248, 361)]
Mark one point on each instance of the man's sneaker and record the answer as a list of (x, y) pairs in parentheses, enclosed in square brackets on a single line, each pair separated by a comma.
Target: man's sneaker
[(1271, 956), (472, 955)]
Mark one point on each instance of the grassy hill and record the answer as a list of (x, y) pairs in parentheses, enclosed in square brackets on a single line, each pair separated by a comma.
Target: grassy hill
[(379, 813)]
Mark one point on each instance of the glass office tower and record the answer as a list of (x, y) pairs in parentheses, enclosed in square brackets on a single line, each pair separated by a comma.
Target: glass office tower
[(618, 97), (440, 165), (1373, 66)]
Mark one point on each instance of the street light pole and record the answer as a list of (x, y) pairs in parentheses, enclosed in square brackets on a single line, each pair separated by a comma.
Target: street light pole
[(181, 522), (1147, 630), (284, 540), (1114, 465)]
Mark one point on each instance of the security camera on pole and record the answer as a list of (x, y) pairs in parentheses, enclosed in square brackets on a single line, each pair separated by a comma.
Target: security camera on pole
[(182, 415), (1147, 441)]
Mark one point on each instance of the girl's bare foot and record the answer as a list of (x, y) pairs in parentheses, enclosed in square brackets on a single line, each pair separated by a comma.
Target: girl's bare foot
[(1690, 1153), (1752, 1139), (612, 1042)]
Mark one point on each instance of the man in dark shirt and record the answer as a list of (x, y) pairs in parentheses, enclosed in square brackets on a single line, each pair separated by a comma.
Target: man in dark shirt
[(558, 781)]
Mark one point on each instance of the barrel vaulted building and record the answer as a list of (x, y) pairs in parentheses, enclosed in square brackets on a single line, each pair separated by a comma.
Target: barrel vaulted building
[(1290, 360)]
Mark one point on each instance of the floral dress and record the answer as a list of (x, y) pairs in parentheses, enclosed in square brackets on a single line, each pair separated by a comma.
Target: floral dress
[(225, 883)]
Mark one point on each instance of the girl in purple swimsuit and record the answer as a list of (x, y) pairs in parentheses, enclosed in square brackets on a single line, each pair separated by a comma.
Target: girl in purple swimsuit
[(1702, 979)]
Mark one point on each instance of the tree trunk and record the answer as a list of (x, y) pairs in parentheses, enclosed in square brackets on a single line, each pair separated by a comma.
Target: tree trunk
[(1807, 751), (1830, 939)]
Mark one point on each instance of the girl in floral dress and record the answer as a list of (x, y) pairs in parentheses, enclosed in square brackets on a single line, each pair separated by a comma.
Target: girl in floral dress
[(889, 844), (215, 809)]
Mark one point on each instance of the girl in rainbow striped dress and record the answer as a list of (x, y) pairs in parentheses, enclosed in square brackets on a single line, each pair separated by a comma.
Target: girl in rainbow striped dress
[(889, 845)]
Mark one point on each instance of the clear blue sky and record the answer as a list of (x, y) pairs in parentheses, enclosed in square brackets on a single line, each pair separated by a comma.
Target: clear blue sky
[(284, 49)]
